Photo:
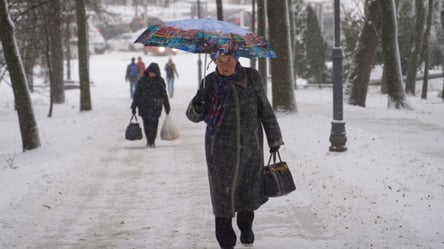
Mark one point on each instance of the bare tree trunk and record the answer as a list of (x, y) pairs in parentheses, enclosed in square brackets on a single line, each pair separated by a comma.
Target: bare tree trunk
[(67, 38), (410, 86), (426, 51), (85, 95), (23, 104), (220, 12), (56, 40), (261, 23), (364, 55), (26, 45), (384, 88), (46, 28), (291, 14), (392, 62), (442, 91), (281, 67), (50, 74), (30, 38), (442, 27), (30, 58)]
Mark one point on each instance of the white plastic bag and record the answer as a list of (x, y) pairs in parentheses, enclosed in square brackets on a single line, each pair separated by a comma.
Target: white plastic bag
[(169, 130)]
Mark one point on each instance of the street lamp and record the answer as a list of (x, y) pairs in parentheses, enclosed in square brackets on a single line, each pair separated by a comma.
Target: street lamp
[(337, 135)]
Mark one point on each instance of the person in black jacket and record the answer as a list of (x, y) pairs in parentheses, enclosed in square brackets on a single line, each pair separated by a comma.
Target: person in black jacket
[(149, 97)]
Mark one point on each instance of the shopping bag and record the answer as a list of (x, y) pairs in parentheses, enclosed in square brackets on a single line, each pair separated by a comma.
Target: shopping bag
[(278, 180), (169, 130), (133, 130)]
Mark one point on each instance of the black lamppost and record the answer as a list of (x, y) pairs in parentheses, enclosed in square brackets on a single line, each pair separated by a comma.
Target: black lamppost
[(337, 136)]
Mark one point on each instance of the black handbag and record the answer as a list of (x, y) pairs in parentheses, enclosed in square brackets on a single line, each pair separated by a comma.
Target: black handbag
[(278, 180), (133, 131)]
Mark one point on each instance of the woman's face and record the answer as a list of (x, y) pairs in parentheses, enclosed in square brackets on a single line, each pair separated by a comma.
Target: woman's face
[(151, 74), (226, 65)]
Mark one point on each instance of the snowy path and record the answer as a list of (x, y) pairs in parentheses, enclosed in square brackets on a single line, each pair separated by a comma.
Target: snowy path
[(128, 199)]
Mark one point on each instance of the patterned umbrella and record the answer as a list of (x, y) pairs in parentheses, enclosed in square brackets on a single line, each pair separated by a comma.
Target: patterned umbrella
[(206, 36)]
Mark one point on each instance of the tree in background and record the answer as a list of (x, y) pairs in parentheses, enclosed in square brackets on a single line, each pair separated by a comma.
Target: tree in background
[(39, 35), (392, 62), (30, 39), (364, 55), (85, 94), (219, 10), (54, 18), (426, 50), (50, 15), (436, 42), (281, 67), (406, 32), (442, 63), (23, 104), (413, 59), (292, 23), (351, 27), (261, 30), (300, 25), (315, 49)]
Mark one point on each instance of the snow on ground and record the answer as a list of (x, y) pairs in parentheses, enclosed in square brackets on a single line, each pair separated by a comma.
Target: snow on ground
[(87, 187)]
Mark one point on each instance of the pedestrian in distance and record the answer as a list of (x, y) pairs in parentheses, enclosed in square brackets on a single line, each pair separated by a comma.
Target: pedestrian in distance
[(141, 66), (233, 104), (150, 97), (132, 75), (171, 72)]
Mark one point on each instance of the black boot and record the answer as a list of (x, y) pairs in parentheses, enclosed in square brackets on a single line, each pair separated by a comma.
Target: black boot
[(245, 223), (224, 233)]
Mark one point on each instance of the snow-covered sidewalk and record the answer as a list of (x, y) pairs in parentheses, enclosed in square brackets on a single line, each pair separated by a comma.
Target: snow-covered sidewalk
[(87, 187)]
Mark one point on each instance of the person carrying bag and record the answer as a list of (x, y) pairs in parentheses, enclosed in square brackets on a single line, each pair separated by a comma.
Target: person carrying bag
[(150, 98), (133, 130), (278, 180)]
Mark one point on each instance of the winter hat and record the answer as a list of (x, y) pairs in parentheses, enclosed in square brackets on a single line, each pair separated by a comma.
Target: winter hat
[(224, 51), (153, 67)]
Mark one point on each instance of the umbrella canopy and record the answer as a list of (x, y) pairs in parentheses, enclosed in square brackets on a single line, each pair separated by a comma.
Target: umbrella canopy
[(206, 36)]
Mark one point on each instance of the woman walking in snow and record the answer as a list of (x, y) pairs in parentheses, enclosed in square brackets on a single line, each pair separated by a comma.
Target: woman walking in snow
[(149, 97), (233, 103)]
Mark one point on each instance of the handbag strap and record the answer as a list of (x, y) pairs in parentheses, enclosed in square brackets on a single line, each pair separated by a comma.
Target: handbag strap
[(133, 116), (274, 157)]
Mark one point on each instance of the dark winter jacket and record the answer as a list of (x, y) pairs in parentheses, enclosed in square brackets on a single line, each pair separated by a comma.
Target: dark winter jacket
[(170, 69), (151, 94), (132, 72), (234, 153)]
